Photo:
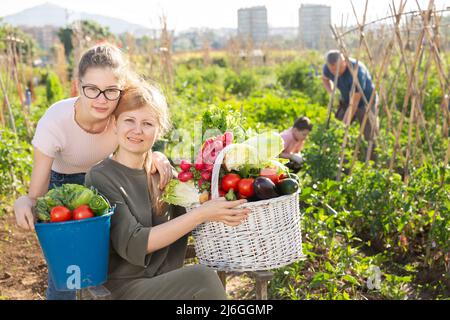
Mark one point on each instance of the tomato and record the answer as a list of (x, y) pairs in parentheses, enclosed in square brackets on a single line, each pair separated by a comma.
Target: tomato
[(245, 187), (82, 212), (270, 173), (185, 176), (230, 181), (60, 214), (240, 196), (206, 175), (185, 165)]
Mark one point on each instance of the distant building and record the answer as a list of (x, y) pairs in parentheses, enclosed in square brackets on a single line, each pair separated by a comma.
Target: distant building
[(45, 36), (314, 26), (252, 24)]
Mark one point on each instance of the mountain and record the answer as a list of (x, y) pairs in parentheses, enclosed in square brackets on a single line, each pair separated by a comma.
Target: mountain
[(53, 15)]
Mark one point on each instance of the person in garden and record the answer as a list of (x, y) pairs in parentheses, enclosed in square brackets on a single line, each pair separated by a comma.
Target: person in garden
[(148, 236), (352, 105), (76, 133), (294, 140)]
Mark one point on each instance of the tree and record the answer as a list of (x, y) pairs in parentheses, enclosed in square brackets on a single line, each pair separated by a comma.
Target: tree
[(91, 31)]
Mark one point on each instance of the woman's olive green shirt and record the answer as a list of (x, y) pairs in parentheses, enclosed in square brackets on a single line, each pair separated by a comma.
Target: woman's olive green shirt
[(127, 189)]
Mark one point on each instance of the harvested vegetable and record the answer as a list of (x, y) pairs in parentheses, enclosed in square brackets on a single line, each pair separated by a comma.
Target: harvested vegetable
[(180, 193)]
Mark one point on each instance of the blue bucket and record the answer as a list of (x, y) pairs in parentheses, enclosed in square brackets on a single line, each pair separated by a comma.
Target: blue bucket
[(76, 251)]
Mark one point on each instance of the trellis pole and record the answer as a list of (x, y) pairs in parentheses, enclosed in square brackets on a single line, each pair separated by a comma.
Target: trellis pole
[(410, 87)]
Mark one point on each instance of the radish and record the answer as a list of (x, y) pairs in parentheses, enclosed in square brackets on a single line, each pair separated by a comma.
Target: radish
[(185, 165)]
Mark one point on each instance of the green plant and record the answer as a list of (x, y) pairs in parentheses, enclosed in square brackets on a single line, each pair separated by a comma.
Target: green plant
[(55, 90), (240, 84)]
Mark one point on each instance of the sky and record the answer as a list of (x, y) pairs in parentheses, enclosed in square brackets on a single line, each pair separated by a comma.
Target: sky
[(185, 14)]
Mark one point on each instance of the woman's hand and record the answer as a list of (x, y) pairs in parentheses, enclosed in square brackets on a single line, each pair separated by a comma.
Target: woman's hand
[(161, 164), (223, 211), (24, 215)]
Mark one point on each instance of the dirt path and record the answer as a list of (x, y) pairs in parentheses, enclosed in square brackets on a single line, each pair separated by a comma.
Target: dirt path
[(23, 271)]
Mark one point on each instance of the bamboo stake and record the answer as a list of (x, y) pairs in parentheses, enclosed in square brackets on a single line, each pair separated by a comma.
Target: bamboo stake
[(355, 84), (20, 92), (412, 13), (381, 74), (411, 76), (420, 114), (331, 102), (8, 105)]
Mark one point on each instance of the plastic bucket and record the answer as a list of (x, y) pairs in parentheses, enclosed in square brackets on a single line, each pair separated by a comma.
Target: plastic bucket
[(76, 251)]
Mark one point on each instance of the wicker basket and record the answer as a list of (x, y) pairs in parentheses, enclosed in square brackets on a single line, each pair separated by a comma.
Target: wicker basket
[(269, 238)]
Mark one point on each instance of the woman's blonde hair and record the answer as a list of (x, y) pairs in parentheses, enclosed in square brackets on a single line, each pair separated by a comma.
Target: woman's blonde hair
[(140, 94)]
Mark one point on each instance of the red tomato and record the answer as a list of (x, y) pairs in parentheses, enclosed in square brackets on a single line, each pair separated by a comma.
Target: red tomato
[(60, 214), (230, 181), (206, 175), (185, 165), (270, 173), (82, 212), (185, 176), (240, 196), (245, 187)]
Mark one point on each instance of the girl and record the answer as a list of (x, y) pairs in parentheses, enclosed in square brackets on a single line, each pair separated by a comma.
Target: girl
[(148, 237), (76, 133)]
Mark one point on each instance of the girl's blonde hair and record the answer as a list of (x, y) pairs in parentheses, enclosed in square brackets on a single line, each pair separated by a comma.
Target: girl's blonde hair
[(140, 94)]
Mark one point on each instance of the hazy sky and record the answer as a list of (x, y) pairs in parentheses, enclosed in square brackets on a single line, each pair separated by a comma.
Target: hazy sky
[(183, 14)]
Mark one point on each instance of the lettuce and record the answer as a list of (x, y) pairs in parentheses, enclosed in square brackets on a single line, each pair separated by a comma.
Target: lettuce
[(71, 196), (182, 194)]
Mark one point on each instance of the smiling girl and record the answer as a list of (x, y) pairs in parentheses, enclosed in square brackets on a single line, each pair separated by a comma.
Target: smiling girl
[(148, 237), (76, 133)]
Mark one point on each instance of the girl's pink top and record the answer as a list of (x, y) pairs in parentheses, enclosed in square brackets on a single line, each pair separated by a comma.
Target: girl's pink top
[(290, 144), (74, 150)]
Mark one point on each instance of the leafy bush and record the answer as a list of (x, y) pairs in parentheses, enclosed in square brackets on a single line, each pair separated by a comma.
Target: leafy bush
[(240, 84), (16, 164), (303, 76), (55, 90)]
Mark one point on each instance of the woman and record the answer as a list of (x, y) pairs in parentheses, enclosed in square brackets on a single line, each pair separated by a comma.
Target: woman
[(148, 238), (76, 133)]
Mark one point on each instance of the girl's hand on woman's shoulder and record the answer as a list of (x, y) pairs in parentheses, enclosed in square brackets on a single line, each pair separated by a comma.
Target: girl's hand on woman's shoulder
[(161, 164)]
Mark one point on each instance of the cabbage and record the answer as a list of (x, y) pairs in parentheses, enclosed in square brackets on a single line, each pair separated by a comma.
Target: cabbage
[(182, 194), (268, 145), (77, 195), (99, 205)]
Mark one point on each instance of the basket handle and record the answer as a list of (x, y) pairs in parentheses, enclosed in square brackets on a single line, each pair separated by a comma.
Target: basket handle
[(216, 171)]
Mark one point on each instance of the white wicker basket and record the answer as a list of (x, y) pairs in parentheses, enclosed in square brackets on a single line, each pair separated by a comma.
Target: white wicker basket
[(269, 238)]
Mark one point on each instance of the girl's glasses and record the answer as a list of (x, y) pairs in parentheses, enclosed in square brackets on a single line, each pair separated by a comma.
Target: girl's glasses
[(93, 92)]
